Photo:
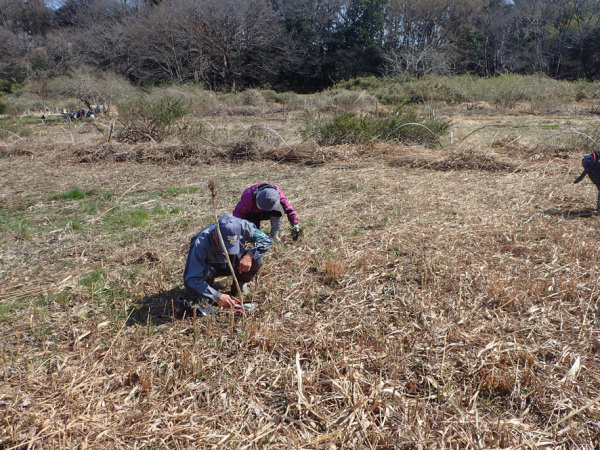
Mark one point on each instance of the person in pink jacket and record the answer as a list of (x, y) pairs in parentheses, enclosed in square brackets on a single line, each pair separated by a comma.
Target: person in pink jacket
[(265, 201)]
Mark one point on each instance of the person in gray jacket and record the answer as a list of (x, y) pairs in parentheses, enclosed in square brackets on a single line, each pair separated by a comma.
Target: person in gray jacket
[(206, 259)]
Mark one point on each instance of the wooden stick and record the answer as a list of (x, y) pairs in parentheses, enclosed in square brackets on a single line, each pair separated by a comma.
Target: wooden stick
[(211, 186)]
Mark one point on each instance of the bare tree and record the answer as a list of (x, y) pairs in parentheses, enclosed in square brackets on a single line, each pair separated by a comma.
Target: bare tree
[(230, 43), (11, 58), (92, 87), (25, 19), (420, 36)]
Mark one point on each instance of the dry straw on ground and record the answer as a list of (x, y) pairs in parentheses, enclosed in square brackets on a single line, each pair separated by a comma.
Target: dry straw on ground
[(438, 299)]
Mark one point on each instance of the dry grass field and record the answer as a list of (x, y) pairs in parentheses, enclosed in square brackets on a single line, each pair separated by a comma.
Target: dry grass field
[(439, 297)]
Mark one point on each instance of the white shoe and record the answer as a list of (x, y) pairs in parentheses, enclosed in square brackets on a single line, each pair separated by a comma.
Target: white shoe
[(245, 289)]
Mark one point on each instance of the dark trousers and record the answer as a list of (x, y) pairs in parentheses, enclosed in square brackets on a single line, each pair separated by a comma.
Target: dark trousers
[(212, 272), (258, 217)]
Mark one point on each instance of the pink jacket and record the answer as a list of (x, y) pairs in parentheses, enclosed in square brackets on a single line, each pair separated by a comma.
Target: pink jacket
[(247, 204)]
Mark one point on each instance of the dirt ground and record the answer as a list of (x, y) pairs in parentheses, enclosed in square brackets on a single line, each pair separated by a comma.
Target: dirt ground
[(438, 298)]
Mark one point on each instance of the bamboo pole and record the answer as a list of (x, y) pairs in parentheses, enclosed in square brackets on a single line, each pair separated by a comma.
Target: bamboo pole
[(213, 192)]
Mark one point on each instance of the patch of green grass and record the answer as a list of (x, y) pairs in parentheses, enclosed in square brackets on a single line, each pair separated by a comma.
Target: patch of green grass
[(72, 194), (76, 193), (120, 218), (91, 278), (106, 195), (63, 298), (14, 221), (183, 222), (109, 300), (30, 119), (159, 210), (10, 128), (7, 308), (42, 312), (89, 207), (162, 211)]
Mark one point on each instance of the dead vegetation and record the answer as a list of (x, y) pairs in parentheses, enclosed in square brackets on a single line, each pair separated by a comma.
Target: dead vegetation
[(438, 299), (463, 159)]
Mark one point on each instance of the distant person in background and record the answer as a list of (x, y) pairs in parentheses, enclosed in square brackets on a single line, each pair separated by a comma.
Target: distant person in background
[(265, 201), (591, 167)]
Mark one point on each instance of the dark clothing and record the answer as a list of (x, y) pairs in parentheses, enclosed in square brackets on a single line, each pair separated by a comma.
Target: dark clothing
[(591, 166), (213, 271), (256, 218), (206, 260)]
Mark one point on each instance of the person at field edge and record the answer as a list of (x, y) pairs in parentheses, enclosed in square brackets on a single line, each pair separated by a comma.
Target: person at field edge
[(206, 259), (591, 167), (265, 201)]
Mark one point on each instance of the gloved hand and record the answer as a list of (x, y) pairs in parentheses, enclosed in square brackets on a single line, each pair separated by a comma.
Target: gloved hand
[(296, 232)]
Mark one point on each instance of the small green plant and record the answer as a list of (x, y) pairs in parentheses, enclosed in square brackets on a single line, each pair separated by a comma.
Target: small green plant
[(73, 194), (93, 277)]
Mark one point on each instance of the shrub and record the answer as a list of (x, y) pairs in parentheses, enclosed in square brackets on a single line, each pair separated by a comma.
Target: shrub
[(7, 85), (350, 128), (11, 129), (146, 119), (252, 97)]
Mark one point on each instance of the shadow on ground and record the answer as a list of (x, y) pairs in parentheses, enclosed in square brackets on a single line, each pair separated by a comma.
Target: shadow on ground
[(571, 213), (156, 308), (161, 308)]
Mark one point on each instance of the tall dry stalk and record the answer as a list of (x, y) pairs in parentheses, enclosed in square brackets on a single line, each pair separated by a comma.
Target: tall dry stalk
[(213, 192)]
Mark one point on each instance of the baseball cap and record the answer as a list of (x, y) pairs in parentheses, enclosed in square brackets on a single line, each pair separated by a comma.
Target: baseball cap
[(231, 229), (268, 199)]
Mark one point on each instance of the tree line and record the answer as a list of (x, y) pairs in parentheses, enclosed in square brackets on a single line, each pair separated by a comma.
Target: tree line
[(304, 45)]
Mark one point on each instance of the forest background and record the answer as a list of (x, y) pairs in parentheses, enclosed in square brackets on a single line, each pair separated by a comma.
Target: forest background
[(300, 45)]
